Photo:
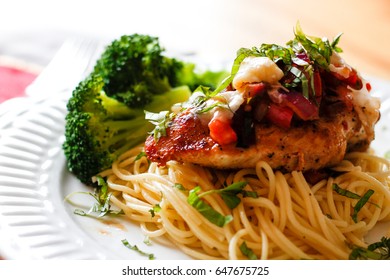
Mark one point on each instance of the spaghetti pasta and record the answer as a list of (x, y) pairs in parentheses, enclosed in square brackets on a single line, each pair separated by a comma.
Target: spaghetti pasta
[(289, 218)]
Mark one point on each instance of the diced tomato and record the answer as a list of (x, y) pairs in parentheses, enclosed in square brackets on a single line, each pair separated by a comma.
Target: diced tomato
[(301, 106), (354, 81), (255, 89), (280, 116), (222, 132)]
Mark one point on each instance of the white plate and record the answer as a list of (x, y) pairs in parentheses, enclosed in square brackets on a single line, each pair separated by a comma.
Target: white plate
[(36, 222)]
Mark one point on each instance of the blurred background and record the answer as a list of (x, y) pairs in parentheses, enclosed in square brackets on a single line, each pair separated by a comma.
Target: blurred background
[(32, 31)]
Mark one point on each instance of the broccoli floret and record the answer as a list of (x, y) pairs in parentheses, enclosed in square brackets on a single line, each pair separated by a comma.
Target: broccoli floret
[(99, 128), (134, 70), (192, 77), (106, 110)]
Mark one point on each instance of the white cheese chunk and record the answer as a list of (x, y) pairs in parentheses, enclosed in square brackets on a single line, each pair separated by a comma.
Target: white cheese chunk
[(339, 66), (227, 102), (366, 105), (255, 70)]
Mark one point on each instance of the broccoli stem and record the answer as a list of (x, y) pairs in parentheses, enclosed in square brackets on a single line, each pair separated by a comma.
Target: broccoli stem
[(166, 100), (129, 133), (136, 128)]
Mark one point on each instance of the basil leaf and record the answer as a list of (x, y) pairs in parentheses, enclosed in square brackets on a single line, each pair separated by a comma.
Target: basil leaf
[(383, 244), (234, 188), (140, 155), (250, 194), (206, 210), (336, 40), (229, 194), (135, 248), (156, 208), (211, 107), (277, 53), (360, 253), (179, 186), (102, 205), (305, 87), (247, 251), (318, 49), (345, 192), (103, 191), (79, 212), (362, 201), (161, 121), (231, 200), (242, 53), (224, 84), (376, 251), (349, 194)]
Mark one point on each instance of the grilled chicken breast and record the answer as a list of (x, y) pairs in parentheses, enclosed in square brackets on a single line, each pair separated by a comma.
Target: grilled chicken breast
[(310, 146), (296, 113)]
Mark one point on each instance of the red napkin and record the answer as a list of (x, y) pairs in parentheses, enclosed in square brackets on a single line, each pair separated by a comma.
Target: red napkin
[(13, 82)]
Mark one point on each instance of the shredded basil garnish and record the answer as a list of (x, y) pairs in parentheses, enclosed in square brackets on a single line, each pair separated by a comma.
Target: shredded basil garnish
[(318, 49), (376, 251), (135, 248), (359, 205), (155, 209), (229, 193), (147, 240), (179, 186), (102, 205), (345, 192), (206, 210), (247, 251), (300, 60), (140, 155), (362, 199), (161, 121), (277, 53), (336, 40)]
